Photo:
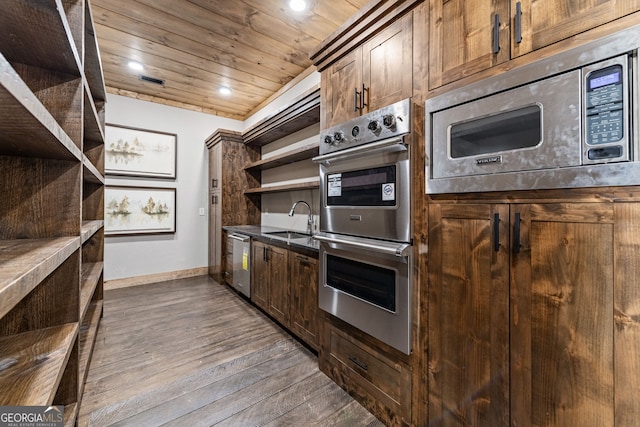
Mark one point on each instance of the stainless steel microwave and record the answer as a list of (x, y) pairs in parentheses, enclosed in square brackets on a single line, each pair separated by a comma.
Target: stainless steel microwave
[(566, 121)]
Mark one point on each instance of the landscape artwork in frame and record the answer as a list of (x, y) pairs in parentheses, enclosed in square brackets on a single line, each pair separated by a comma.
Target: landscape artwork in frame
[(139, 210), (138, 152)]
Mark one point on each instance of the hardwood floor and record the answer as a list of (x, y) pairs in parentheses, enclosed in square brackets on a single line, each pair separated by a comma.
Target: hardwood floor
[(191, 352)]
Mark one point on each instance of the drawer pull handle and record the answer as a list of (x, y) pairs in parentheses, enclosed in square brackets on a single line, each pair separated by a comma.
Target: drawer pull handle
[(359, 363)]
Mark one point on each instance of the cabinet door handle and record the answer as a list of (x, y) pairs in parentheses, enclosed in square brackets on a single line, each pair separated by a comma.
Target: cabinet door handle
[(214, 200), (362, 103), (516, 234), (518, 22), (496, 33), (359, 363), (496, 232), (356, 99), (214, 183)]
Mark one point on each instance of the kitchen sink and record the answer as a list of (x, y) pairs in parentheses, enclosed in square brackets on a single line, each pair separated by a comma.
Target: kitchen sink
[(289, 234)]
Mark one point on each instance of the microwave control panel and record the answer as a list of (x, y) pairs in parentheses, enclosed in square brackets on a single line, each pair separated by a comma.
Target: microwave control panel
[(606, 112)]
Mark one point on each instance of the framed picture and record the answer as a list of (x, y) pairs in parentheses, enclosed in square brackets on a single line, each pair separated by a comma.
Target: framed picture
[(138, 152), (139, 210)]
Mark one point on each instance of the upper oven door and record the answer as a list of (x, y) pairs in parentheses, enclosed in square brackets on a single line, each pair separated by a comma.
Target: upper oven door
[(535, 126), (365, 191)]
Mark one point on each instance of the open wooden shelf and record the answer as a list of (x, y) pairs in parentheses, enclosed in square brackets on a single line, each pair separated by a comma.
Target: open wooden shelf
[(87, 339), (33, 364), (27, 128), (89, 228), (70, 414), (288, 187), (93, 127), (301, 153), (52, 109), (91, 172), (301, 113), (52, 49), (24, 263), (91, 272), (92, 63)]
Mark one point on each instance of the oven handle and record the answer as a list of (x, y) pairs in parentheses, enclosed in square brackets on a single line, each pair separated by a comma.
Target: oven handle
[(399, 250), (390, 145)]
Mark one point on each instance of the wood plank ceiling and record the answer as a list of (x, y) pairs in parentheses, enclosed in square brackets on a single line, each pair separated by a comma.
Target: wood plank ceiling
[(254, 47)]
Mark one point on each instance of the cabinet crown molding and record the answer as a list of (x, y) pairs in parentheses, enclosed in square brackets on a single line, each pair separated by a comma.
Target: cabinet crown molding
[(223, 135), (371, 19)]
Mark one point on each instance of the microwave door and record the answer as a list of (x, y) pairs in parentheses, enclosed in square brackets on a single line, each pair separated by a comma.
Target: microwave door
[(526, 129)]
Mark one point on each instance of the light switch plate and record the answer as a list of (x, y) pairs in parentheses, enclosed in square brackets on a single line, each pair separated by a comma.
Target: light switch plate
[(201, 211)]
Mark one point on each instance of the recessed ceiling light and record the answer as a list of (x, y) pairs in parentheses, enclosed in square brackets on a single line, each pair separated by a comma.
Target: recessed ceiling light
[(135, 66), (225, 91), (298, 5)]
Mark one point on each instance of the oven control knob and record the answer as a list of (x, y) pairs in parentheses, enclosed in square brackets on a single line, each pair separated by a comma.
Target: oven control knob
[(373, 126), (389, 120), (338, 136), (328, 139)]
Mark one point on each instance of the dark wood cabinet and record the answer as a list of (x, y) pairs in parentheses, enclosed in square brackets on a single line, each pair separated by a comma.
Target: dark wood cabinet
[(468, 37), (270, 280), (304, 297), (260, 277), (227, 182), (562, 320), (524, 314), (469, 314), (285, 285), (377, 378), (279, 285), (373, 75)]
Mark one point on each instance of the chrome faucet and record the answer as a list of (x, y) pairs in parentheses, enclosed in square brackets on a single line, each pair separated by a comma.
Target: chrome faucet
[(309, 220)]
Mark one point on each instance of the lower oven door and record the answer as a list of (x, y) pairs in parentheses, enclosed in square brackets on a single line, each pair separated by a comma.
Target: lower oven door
[(367, 283)]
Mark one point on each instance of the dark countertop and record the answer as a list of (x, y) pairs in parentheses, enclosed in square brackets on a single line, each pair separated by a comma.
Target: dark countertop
[(261, 232)]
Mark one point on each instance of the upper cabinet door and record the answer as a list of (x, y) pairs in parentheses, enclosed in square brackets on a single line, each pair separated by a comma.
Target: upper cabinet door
[(466, 37), (375, 74), (341, 84), (539, 23), (387, 65)]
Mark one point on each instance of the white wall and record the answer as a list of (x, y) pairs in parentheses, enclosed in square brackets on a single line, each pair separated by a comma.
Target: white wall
[(131, 256)]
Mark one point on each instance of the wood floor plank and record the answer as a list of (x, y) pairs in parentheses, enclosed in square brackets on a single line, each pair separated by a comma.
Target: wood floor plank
[(209, 374), (240, 407), (204, 397), (193, 352)]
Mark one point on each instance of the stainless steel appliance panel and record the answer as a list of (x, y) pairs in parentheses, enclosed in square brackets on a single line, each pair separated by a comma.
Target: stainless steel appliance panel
[(605, 97), (367, 193), (495, 137), (241, 263), (367, 284)]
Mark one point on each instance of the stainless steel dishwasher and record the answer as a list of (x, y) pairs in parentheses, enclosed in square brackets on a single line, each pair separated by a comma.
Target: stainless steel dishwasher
[(241, 263)]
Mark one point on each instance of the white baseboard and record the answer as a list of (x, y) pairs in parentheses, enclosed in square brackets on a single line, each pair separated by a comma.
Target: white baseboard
[(152, 278)]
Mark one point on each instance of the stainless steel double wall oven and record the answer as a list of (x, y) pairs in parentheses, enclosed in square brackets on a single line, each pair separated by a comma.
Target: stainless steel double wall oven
[(365, 234)]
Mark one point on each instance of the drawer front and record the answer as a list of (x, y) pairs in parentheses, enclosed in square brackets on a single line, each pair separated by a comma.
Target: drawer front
[(384, 380)]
